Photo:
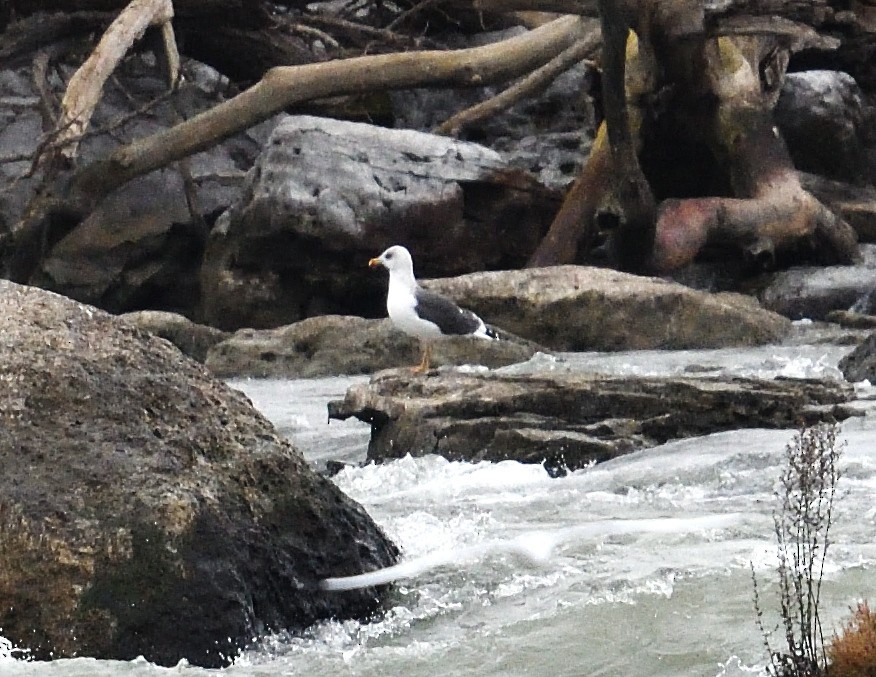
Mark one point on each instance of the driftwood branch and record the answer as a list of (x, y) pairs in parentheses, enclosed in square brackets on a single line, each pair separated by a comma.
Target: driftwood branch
[(581, 7), (573, 226), (285, 86), (86, 85), (533, 83), (50, 220)]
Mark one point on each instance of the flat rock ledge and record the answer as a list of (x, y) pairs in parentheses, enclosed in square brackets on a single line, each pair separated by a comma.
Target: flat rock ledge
[(333, 345), (568, 421), (147, 508)]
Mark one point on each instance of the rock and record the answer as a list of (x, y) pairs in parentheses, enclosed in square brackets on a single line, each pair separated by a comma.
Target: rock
[(192, 339), (333, 345), (585, 308), (142, 247), (860, 364), (830, 107), (327, 195), (570, 419), (147, 508), (814, 292), (852, 320)]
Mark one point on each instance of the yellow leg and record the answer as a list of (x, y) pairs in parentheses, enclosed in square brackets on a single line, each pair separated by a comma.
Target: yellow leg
[(427, 357)]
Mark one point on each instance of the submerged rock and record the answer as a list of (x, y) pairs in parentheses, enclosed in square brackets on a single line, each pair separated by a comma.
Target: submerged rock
[(585, 308), (147, 508), (334, 345), (569, 420)]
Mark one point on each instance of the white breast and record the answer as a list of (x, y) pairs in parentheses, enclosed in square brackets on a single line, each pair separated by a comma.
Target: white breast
[(400, 305)]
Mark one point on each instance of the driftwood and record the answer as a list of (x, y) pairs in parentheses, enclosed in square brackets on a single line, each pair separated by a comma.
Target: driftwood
[(738, 62), (659, 56), (85, 87), (52, 217), (531, 84)]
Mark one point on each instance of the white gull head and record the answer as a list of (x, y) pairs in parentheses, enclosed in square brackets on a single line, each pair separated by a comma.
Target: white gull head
[(397, 260)]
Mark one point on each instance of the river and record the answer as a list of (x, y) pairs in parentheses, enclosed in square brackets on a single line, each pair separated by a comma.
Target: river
[(634, 604)]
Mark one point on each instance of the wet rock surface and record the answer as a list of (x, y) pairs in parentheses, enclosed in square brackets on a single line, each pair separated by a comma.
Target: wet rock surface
[(147, 508), (860, 364), (334, 345), (814, 292), (567, 420)]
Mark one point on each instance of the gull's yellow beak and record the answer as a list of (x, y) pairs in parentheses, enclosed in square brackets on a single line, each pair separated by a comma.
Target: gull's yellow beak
[(373, 263)]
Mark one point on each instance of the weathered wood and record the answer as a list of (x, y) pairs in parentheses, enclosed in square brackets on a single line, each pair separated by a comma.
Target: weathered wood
[(86, 85), (573, 227)]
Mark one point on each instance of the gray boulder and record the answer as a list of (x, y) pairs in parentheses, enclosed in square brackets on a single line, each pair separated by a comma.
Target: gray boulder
[(584, 308), (327, 195), (860, 364), (569, 420), (828, 124), (147, 508), (814, 292), (332, 345)]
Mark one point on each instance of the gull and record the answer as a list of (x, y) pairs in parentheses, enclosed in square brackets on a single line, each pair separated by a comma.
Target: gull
[(422, 313)]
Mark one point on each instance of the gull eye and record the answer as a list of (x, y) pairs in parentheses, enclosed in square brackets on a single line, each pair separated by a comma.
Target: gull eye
[(389, 256)]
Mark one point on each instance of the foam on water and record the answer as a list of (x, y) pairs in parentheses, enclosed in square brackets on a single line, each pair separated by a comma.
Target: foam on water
[(528, 577)]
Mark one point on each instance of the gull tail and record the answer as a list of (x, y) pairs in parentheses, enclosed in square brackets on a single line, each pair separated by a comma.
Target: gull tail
[(490, 333)]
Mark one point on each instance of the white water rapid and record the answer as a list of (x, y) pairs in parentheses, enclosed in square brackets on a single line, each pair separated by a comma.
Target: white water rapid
[(518, 573)]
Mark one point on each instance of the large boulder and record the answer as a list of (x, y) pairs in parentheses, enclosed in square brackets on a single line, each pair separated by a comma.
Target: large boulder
[(570, 420), (327, 195), (585, 308), (147, 508), (828, 106), (331, 345)]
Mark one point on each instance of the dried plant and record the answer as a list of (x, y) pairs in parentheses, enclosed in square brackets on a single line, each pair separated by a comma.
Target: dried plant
[(852, 653), (802, 522)]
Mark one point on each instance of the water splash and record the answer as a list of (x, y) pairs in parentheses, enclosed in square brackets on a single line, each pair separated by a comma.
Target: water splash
[(531, 548)]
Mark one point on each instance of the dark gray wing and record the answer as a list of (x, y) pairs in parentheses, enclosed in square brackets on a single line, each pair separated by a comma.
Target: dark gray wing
[(450, 318)]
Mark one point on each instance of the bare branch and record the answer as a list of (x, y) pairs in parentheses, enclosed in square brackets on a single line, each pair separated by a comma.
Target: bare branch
[(85, 87), (528, 86), (288, 85)]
